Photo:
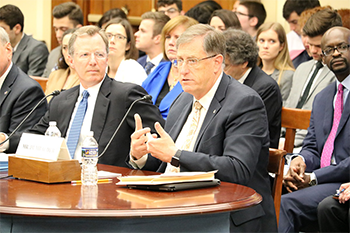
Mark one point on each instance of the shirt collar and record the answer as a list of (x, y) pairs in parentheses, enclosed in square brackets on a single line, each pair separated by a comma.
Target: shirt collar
[(244, 77), (93, 91), (205, 101), (345, 83), (155, 60), (3, 77)]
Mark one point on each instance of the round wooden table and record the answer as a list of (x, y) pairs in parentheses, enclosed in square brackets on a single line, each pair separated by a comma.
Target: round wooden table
[(32, 206)]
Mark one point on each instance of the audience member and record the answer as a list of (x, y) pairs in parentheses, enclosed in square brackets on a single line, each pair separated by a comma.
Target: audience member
[(251, 15), (162, 84), (224, 19), (104, 100), (312, 76), (292, 10), (203, 10), (29, 54), (109, 15), (237, 2), (274, 58), (19, 92), (64, 77), (236, 143), (66, 16), (122, 64), (324, 161), (171, 8), (333, 213), (240, 63), (148, 39)]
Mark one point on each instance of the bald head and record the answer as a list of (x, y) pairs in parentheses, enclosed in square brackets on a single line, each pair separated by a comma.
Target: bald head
[(336, 55)]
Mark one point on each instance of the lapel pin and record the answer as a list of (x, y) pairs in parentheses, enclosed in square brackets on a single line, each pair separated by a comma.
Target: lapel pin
[(5, 93), (214, 111)]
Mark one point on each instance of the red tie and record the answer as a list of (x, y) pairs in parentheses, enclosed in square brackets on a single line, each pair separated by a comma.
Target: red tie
[(329, 145)]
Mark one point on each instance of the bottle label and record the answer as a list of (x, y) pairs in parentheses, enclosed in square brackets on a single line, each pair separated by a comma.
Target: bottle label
[(89, 152)]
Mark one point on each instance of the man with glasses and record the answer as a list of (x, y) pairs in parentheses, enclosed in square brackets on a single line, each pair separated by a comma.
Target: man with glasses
[(325, 152), (171, 8), (312, 76), (251, 15), (215, 124), (98, 104)]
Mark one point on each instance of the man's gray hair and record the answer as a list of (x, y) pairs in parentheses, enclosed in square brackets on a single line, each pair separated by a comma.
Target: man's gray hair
[(4, 37), (240, 47), (87, 31), (213, 40)]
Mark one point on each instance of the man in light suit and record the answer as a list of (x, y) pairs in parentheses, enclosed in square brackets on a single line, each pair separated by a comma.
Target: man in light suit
[(327, 168), (314, 28), (240, 63), (18, 92), (107, 103), (28, 54), (231, 134)]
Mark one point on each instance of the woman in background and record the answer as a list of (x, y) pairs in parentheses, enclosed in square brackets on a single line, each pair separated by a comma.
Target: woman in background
[(274, 57), (65, 76), (162, 84), (122, 64), (224, 19)]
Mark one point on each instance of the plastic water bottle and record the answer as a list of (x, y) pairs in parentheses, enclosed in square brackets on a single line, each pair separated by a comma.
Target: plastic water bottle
[(89, 157), (53, 131)]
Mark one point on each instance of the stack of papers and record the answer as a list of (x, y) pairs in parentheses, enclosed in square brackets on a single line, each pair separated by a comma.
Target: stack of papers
[(167, 178), (4, 162)]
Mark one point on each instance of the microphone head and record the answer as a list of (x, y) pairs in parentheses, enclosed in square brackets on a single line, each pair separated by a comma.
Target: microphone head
[(147, 98), (55, 92)]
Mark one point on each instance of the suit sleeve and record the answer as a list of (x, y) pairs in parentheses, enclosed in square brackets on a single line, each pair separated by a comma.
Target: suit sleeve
[(236, 142), (37, 60)]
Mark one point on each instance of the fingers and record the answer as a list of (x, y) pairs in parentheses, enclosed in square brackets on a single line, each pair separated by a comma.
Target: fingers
[(160, 130), (138, 122)]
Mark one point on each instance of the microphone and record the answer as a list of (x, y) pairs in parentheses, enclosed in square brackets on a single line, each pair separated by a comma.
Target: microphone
[(145, 98), (54, 93)]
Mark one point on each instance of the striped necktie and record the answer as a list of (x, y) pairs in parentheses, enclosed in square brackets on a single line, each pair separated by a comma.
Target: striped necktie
[(75, 128)]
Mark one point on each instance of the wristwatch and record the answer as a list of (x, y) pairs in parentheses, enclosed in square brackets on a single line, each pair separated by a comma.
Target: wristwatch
[(175, 160)]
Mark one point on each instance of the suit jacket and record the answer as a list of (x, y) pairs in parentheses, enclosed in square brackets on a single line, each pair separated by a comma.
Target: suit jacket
[(18, 95), (234, 140), (52, 61), (31, 56), (112, 103), (320, 126), (270, 93), (299, 79), (154, 84)]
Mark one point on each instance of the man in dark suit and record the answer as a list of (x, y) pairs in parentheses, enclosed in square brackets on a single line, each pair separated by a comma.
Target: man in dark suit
[(148, 39), (325, 154), (240, 63), (18, 92), (28, 54), (107, 101), (216, 124), (309, 79)]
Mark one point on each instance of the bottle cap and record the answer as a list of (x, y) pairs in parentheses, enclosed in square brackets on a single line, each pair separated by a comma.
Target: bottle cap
[(90, 134), (52, 123)]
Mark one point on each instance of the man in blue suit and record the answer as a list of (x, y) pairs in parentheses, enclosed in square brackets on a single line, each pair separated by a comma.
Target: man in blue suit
[(326, 149), (215, 124)]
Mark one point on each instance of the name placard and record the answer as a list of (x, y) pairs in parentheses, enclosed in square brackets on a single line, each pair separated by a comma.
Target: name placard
[(43, 147)]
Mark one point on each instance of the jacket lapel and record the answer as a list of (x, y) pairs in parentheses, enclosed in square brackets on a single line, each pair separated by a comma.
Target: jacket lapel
[(345, 116), (21, 47), (176, 128), (67, 107), (6, 86), (101, 109), (325, 72)]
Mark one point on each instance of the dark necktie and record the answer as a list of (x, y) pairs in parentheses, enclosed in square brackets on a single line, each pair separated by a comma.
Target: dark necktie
[(306, 93), (75, 128), (329, 145), (148, 67)]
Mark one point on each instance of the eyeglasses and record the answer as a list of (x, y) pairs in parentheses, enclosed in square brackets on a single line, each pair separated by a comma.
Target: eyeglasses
[(87, 55), (191, 62), (342, 48), (240, 13), (169, 11), (117, 36)]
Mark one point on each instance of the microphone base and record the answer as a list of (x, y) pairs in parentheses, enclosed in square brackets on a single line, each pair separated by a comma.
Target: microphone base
[(44, 171)]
